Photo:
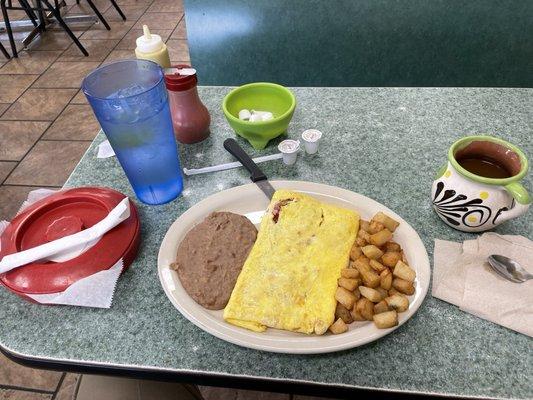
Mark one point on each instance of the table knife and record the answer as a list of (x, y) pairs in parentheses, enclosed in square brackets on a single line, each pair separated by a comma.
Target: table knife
[(257, 176)]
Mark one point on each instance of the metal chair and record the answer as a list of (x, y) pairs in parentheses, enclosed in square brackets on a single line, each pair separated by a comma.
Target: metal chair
[(46, 13), (115, 5), (40, 6)]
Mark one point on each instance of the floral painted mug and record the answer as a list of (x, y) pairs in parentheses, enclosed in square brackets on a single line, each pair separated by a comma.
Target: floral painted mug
[(479, 187)]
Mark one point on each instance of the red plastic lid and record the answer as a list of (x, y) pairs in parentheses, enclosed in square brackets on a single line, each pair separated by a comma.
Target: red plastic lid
[(177, 82), (61, 214)]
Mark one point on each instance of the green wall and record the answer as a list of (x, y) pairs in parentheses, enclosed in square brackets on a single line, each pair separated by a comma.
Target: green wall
[(362, 42)]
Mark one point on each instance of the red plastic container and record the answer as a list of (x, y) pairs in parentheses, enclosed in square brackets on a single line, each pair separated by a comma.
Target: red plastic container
[(62, 214), (190, 117)]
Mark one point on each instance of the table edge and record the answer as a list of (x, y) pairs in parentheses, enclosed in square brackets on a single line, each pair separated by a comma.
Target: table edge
[(219, 379)]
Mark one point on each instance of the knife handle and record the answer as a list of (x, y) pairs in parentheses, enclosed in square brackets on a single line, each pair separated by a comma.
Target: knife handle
[(237, 151)]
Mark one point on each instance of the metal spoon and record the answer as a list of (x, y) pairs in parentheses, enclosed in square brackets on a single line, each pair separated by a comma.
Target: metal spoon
[(509, 269)]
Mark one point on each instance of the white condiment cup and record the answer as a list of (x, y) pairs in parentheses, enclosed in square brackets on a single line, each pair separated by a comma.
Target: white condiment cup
[(289, 149), (311, 137)]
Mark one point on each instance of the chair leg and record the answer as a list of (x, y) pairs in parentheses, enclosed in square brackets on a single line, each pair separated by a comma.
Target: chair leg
[(29, 12), (57, 16), (118, 10), (42, 17), (8, 28), (99, 15), (4, 51)]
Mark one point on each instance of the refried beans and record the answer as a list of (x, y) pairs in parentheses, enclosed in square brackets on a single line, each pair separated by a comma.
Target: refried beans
[(211, 256)]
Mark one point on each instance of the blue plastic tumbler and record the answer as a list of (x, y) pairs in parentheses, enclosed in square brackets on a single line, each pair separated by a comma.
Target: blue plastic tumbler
[(130, 101)]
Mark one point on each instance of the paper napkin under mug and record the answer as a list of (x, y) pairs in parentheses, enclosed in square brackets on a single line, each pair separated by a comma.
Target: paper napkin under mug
[(462, 276)]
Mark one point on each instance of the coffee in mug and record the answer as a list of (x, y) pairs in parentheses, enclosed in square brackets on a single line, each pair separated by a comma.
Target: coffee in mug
[(479, 187)]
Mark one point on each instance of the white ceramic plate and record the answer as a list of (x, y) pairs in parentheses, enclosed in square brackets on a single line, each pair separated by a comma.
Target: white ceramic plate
[(250, 201)]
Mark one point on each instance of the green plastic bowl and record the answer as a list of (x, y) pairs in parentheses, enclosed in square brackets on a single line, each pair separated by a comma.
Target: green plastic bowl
[(261, 96)]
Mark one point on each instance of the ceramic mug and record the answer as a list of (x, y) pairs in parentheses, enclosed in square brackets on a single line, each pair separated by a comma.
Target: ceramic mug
[(474, 203)]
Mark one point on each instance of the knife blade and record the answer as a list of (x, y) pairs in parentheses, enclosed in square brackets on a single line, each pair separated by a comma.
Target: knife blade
[(257, 176)]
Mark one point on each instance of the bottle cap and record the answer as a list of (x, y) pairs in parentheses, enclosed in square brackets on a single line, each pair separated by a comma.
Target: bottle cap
[(149, 42), (180, 77)]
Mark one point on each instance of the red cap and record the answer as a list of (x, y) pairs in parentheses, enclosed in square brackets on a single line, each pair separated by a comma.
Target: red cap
[(58, 215), (177, 82)]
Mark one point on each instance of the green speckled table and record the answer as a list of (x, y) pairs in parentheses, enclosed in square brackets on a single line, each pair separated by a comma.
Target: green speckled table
[(385, 143)]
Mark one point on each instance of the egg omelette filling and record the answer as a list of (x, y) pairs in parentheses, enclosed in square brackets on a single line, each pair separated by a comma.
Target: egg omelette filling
[(290, 276)]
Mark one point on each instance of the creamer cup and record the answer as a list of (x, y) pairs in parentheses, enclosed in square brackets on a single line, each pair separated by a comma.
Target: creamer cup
[(311, 137), (289, 149)]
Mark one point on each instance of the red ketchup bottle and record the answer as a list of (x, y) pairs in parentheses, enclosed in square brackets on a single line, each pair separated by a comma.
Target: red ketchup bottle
[(190, 117)]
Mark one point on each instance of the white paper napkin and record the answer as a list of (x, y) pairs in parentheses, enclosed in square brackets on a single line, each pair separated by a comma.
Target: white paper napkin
[(34, 196), (93, 291), (463, 277), (105, 150)]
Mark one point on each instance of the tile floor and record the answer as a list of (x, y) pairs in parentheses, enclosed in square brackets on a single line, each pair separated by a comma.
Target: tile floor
[(44, 117)]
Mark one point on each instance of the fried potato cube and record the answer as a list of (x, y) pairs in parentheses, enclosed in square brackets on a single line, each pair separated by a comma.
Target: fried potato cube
[(392, 246), (403, 286), (364, 259), (372, 251), (404, 258), (376, 265), (345, 297), (397, 302), (343, 313), (381, 237), (360, 242), (393, 291), (404, 271), (391, 258), (356, 315), (370, 278), (348, 284), (363, 235), (371, 294), (380, 307), (364, 225), (362, 264), (357, 294), (351, 273), (355, 252), (365, 307), (389, 223), (385, 279), (375, 227), (386, 319), (383, 292), (338, 327)]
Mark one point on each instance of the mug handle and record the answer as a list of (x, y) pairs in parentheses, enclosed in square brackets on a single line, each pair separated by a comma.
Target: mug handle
[(523, 201), (519, 192)]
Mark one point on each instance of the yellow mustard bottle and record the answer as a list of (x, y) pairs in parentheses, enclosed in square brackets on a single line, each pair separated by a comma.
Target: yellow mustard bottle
[(151, 47)]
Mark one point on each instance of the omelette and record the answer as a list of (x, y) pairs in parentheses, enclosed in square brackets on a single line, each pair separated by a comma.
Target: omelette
[(290, 276)]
